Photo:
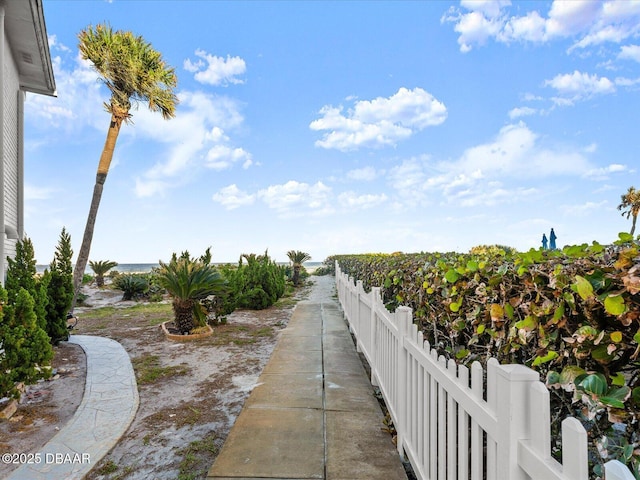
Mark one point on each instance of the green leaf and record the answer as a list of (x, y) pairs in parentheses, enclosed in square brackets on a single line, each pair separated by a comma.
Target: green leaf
[(528, 323), (625, 237), (583, 287), (601, 354), (451, 276), (611, 402), (559, 312), (614, 305), (508, 310), (616, 337), (553, 378), (636, 337), (462, 354), (595, 384), (454, 306), (618, 380), (570, 373), (615, 397), (481, 329), (545, 359), (472, 265)]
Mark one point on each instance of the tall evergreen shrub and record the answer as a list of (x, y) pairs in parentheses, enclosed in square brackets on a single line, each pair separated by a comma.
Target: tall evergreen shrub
[(25, 347), (21, 273), (256, 284), (59, 289)]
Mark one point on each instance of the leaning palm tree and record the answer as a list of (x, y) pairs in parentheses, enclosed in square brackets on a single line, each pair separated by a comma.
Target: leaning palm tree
[(297, 259), (133, 72), (630, 206), (100, 268), (189, 281)]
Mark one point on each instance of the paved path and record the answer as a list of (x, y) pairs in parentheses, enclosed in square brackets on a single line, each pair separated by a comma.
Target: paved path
[(108, 406), (313, 414)]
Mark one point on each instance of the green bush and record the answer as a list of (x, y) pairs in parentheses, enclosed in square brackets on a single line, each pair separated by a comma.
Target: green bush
[(21, 273), (59, 280), (190, 281), (573, 315), (26, 352), (134, 286), (257, 282)]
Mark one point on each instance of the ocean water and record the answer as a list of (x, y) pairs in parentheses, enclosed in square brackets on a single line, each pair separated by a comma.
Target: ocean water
[(147, 267)]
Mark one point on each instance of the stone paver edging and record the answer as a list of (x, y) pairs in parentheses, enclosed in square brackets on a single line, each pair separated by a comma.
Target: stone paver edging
[(107, 409)]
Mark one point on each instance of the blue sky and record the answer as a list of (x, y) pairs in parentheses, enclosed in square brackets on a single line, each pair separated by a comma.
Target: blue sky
[(344, 127)]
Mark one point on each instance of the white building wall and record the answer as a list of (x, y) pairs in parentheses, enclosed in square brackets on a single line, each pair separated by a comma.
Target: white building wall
[(11, 90)]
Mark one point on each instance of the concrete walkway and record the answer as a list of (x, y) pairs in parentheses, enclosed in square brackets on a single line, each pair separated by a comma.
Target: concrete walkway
[(313, 413), (108, 406)]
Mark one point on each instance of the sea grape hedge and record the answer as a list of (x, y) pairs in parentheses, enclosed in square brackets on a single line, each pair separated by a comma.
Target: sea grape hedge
[(571, 314)]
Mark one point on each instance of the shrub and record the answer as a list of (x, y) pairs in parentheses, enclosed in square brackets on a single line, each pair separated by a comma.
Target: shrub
[(25, 348), (189, 281), (573, 315), (21, 273), (59, 289), (100, 268), (256, 284), (133, 286)]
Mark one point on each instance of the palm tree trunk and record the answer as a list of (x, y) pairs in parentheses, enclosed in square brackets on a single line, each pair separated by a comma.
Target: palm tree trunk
[(183, 313), (633, 224), (103, 170)]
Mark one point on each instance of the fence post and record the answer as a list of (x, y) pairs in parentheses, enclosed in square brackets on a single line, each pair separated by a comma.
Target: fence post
[(374, 295), (356, 316), (513, 386), (403, 321)]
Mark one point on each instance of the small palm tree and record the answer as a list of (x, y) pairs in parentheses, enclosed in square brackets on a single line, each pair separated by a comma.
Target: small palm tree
[(189, 281), (630, 206), (133, 72), (100, 268), (297, 259)]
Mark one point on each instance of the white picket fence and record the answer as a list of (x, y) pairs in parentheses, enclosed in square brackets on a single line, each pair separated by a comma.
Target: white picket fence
[(448, 424)]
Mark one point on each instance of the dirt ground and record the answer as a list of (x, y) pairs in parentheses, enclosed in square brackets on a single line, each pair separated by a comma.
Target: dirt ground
[(190, 393)]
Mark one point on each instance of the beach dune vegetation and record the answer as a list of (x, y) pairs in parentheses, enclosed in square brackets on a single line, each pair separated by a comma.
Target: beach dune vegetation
[(189, 281), (100, 268), (297, 258), (573, 315)]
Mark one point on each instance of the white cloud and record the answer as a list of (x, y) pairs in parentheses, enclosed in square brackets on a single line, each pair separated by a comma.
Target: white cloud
[(604, 173), (352, 201), (297, 198), (521, 112), (365, 174), (79, 101), (379, 122), (290, 199), (221, 157), (572, 87), (232, 197), (214, 70), (589, 22), (195, 138), (497, 171), (583, 209)]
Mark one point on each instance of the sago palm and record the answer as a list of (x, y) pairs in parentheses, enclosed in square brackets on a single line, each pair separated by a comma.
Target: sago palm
[(630, 206), (133, 72), (297, 259), (188, 281), (100, 268)]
